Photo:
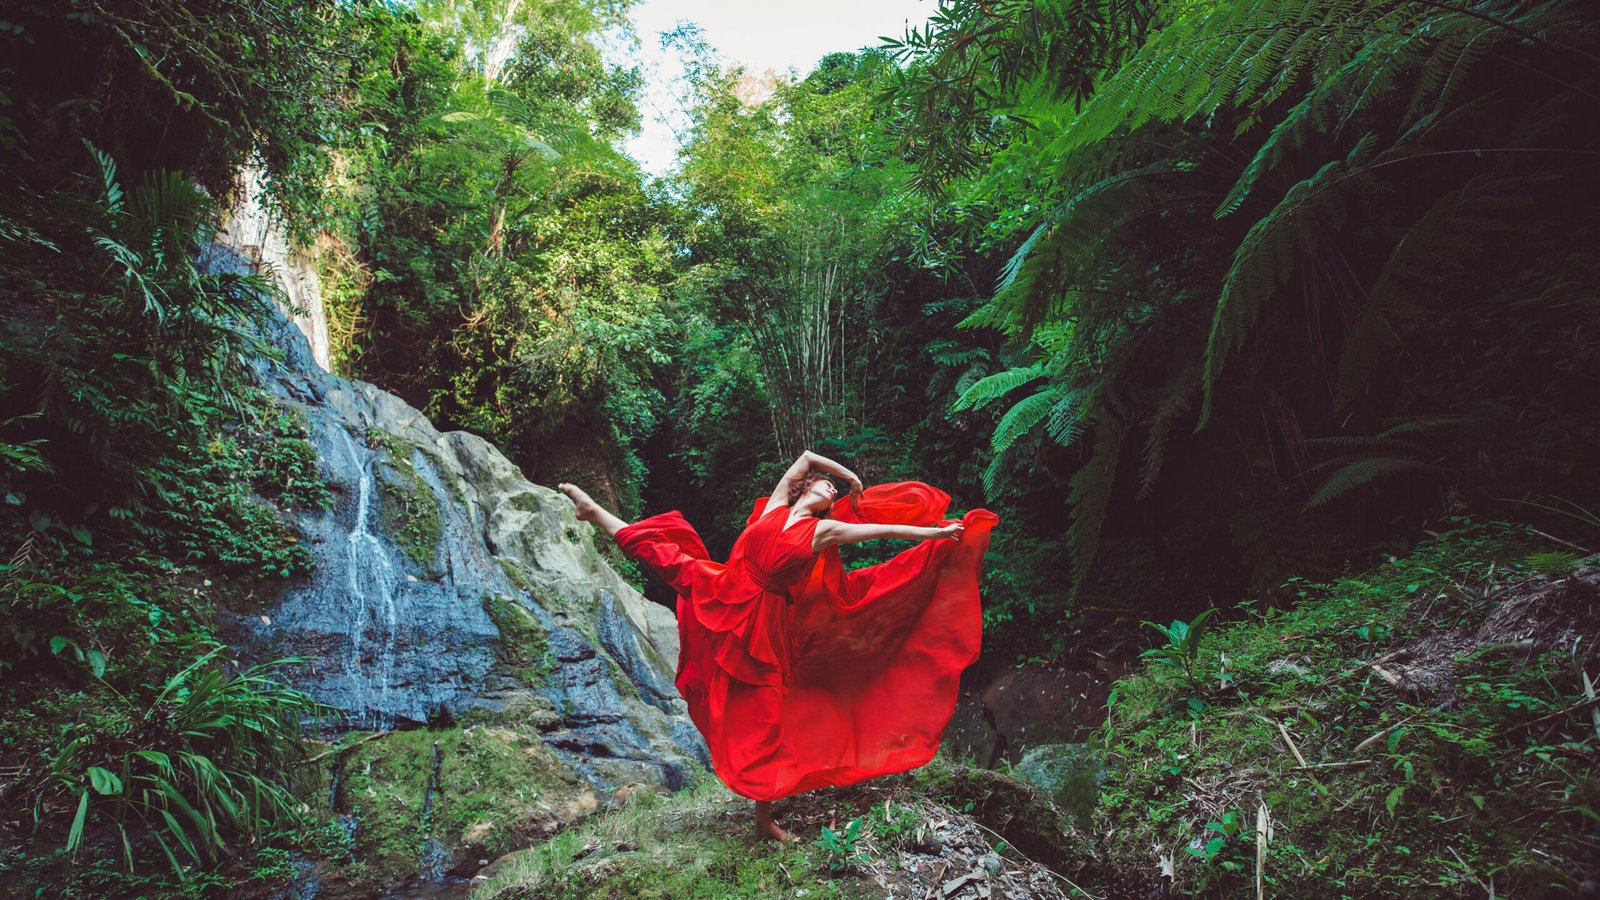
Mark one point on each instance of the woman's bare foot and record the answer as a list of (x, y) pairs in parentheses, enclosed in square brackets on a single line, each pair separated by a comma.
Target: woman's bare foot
[(766, 829), (588, 510)]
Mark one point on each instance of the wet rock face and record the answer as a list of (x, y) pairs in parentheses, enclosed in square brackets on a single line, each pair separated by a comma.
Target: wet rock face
[(448, 589)]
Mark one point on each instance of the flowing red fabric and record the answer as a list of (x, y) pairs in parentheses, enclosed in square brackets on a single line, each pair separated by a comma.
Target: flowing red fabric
[(802, 675)]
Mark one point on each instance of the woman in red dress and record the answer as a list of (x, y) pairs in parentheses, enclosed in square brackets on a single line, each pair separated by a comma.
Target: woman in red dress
[(798, 673)]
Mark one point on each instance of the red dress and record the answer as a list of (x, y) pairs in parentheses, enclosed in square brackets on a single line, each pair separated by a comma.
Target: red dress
[(802, 675)]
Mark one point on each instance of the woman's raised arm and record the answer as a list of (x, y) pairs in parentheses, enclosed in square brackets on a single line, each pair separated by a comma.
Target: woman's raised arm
[(830, 533), (798, 470)]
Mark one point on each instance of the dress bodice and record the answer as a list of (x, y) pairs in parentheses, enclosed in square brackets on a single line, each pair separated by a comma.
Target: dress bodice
[(772, 554)]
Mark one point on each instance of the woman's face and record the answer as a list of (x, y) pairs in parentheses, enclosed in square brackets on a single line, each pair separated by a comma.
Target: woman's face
[(822, 494)]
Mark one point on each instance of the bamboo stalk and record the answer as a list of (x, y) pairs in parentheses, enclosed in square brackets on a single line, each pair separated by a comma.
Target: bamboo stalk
[(1292, 748), (340, 750), (1594, 711), (1386, 675), (1343, 764), (1261, 849)]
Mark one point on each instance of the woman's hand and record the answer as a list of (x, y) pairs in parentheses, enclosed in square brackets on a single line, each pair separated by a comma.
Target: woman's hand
[(829, 466), (951, 532)]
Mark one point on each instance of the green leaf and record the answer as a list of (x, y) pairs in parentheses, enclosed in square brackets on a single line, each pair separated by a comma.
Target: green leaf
[(1394, 738), (104, 781), (160, 759), (75, 835), (1392, 801)]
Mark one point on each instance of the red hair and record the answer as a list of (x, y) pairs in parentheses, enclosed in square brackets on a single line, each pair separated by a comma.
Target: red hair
[(799, 488)]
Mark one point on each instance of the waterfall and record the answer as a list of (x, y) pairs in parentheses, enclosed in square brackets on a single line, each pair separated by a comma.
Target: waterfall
[(373, 577), (251, 231)]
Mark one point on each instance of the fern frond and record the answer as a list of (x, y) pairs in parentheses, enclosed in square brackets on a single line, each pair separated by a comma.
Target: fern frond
[(1270, 253), (1176, 401), (1023, 416), (1065, 423), (1458, 227), (1363, 472), (993, 387), (1423, 425), (1089, 493)]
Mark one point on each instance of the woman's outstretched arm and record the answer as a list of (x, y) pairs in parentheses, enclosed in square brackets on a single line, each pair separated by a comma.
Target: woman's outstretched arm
[(798, 470), (830, 533)]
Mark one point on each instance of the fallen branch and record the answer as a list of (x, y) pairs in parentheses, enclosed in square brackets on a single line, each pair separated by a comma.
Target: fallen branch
[(1292, 748), (338, 750), (1387, 657), (1381, 735), (1261, 849), (1590, 701), (1386, 675), (1300, 757), (1346, 764), (1594, 712), (1550, 537)]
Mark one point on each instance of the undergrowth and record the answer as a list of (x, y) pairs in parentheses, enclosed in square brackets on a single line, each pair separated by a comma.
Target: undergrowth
[(1453, 764), (690, 844)]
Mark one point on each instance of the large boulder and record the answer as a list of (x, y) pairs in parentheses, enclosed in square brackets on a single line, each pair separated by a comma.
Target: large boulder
[(449, 592), (1000, 718)]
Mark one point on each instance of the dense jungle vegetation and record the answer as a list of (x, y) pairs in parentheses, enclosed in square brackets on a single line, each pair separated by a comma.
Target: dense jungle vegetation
[(1213, 303)]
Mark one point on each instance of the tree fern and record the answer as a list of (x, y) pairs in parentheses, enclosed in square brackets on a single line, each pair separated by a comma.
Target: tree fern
[(1031, 278), (993, 387), (1456, 228), (1270, 253), (1361, 472), (1089, 495)]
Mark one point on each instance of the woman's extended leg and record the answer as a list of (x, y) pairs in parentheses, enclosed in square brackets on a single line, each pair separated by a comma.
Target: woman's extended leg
[(666, 566), (590, 511)]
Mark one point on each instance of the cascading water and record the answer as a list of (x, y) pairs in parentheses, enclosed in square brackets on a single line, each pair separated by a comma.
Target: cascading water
[(373, 577)]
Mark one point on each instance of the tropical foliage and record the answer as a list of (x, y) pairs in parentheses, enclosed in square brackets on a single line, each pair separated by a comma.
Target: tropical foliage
[(1256, 210), (1205, 299)]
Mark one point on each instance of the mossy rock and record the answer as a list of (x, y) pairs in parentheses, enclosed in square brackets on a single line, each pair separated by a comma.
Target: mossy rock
[(409, 512), (1017, 811), (1069, 774), (517, 572), (524, 643), (476, 792)]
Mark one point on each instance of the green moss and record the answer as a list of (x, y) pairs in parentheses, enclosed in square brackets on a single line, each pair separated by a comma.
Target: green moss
[(517, 573), (696, 843), (495, 789), (662, 846), (620, 678), (524, 643), (1019, 812), (1440, 804), (408, 510)]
